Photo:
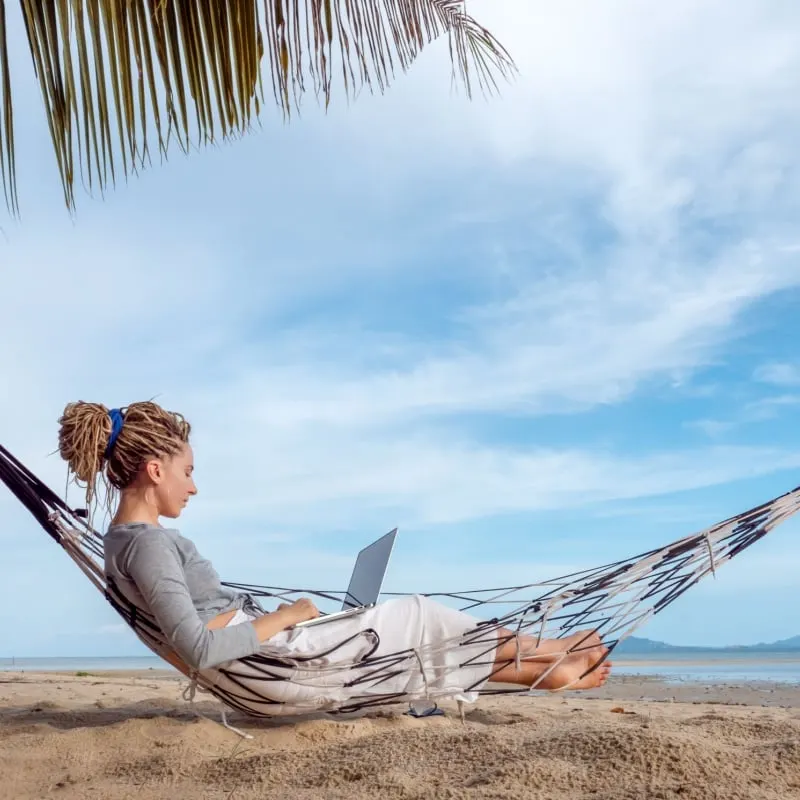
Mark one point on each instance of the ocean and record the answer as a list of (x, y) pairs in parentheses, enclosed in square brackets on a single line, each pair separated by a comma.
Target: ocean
[(83, 664), (700, 666), (712, 666)]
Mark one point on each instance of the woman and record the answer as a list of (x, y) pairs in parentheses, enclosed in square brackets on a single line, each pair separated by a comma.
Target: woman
[(142, 453)]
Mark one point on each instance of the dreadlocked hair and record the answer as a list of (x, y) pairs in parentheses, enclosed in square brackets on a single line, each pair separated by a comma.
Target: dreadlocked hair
[(148, 431)]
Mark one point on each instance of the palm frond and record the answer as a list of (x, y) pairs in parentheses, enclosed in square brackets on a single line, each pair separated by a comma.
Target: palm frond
[(119, 77), (7, 175)]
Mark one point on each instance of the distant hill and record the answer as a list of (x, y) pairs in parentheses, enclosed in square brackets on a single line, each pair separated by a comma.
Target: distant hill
[(637, 646)]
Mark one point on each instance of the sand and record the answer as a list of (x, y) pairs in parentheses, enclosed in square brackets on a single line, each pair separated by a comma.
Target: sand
[(118, 735)]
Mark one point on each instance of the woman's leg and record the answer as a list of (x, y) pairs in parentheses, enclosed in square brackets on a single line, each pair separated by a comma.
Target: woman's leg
[(553, 663)]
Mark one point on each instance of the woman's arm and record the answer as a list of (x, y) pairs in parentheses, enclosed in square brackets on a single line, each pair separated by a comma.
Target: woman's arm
[(154, 565), (269, 624)]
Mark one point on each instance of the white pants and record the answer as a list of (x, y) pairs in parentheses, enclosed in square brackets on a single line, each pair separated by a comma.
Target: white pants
[(411, 648)]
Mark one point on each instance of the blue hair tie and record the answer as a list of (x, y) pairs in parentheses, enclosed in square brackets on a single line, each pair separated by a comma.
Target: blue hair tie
[(116, 427)]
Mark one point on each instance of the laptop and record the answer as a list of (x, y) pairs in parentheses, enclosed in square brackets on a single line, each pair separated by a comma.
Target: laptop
[(365, 582)]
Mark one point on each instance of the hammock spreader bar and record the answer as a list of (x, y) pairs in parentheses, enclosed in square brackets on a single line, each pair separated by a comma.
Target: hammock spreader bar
[(614, 599)]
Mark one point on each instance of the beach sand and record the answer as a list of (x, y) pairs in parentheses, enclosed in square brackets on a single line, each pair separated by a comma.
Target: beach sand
[(131, 735)]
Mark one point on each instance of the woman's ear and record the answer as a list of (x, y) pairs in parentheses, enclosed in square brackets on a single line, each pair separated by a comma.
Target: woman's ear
[(155, 470)]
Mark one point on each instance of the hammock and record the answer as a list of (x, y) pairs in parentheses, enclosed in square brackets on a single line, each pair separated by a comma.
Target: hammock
[(613, 600)]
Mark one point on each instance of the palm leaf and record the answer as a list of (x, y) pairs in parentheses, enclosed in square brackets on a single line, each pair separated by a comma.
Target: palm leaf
[(7, 175), (115, 73)]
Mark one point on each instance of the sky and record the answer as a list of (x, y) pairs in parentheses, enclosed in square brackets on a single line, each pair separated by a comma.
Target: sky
[(538, 332)]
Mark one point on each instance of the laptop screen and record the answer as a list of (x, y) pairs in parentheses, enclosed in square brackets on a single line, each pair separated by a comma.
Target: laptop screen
[(368, 573)]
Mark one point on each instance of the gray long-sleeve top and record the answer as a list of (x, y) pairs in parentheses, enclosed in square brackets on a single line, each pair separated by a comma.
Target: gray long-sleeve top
[(162, 573)]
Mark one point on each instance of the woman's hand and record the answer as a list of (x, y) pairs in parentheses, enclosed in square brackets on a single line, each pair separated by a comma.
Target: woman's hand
[(285, 616), (300, 610)]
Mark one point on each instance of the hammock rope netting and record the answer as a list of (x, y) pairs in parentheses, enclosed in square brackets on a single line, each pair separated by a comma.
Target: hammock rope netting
[(613, 600)]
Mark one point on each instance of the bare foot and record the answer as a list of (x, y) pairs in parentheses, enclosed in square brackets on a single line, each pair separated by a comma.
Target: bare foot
[(569, 673), (580, 642)]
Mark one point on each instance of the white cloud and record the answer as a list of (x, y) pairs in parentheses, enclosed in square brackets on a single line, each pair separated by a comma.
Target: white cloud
[(675, 120), (779, 374), (764, 409), (770, 407), (422, 477), (713, 428), (307, 431), (562, 344)]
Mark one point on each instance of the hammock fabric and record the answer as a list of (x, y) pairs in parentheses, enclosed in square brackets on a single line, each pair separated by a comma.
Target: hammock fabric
[(612, 600)]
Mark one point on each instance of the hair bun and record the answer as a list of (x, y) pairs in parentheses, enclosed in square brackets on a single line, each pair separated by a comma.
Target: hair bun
[(83, 437)]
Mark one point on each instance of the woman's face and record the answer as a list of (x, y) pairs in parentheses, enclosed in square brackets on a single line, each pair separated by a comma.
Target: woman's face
[(174, 484)]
